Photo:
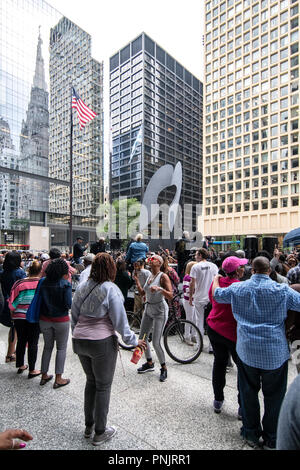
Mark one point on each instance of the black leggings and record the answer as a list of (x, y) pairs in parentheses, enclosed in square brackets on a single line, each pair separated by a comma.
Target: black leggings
[(221, 347), (27, 333)]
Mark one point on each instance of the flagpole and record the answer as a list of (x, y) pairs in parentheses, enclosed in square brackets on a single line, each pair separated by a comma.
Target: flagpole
[(71, 177)]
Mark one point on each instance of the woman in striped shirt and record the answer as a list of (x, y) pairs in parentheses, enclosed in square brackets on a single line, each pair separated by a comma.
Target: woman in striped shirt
[(20, 298)]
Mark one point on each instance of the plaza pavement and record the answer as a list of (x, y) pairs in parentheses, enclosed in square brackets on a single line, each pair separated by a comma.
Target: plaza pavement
[(148, 415)]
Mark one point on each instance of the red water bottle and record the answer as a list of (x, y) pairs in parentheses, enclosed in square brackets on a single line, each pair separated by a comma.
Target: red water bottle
[(137, 353)]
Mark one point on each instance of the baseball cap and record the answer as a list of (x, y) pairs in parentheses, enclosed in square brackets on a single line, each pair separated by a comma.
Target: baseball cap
[(240, 253), (44, 256), (232, 263), (90, 257)]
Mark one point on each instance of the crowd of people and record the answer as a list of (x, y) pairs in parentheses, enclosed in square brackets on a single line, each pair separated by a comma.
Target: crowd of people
[(247, 307)]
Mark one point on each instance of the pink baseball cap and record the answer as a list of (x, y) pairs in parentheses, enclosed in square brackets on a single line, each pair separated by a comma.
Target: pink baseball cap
[(232, 263)]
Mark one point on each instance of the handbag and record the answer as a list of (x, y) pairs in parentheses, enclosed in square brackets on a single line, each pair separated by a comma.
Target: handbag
[(5, 316), (33, 312)]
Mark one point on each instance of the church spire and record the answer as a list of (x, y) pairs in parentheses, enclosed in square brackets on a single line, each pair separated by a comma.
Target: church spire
[(39, 76)]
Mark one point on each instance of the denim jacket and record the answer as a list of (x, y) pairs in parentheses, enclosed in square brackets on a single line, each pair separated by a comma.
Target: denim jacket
[(56, 298)]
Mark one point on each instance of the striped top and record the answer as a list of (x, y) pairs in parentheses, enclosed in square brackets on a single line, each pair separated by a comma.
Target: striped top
[(186, 287), (21, 295)]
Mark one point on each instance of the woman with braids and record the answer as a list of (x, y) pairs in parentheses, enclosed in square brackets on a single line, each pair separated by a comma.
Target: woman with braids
[(56, 300), (97, 311)]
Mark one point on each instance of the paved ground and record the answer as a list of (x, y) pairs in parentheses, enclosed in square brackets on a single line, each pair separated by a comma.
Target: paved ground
[(148, 415)]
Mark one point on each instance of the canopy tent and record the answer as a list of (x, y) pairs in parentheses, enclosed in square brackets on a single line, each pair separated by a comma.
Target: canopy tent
[(292, 238)]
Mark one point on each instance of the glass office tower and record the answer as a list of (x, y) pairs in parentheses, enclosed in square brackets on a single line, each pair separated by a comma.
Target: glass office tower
[(149, 87), (71, 65), (251, 148), (27, 127)]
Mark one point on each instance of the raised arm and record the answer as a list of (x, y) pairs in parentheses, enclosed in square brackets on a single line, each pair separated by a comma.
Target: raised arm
[(215, 284)]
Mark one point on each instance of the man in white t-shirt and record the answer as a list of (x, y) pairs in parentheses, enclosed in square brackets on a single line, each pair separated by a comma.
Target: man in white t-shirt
[(202, 275)]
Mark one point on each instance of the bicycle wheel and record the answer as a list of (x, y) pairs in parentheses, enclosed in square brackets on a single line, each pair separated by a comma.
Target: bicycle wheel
[(135, 325), (177, 346), (134, 321)]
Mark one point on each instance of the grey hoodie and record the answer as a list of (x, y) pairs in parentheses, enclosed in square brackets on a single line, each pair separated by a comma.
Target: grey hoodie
[(98, 300)]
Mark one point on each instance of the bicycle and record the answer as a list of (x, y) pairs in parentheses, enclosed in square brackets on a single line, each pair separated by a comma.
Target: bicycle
[(134, 321), (182, 338), (175, 334)]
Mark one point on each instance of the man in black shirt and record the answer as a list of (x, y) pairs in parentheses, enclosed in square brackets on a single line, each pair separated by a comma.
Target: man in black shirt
[(98, 247), (182, 253), (78, 250)]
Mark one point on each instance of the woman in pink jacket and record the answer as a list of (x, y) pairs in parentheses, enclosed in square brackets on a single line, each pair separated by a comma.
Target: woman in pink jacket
[(221, 330)]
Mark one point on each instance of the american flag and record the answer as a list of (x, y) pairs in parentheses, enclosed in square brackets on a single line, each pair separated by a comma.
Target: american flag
[(85, 114)]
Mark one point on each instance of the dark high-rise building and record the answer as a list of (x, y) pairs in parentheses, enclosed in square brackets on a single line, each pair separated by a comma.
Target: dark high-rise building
[(149, 88)]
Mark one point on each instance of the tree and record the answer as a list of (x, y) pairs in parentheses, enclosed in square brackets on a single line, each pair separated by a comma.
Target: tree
[(125, 217), (234, 245)]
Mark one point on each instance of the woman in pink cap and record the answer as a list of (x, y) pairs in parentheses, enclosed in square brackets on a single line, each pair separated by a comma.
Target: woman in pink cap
[(221, 330)]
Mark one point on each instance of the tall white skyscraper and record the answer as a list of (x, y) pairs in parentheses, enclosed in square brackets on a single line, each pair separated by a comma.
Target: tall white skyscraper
[(251, 117)]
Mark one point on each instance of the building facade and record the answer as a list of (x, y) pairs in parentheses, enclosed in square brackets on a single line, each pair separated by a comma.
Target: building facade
[(251, 117), (152, 92), (27, 128), (34, 144), (71, 65)]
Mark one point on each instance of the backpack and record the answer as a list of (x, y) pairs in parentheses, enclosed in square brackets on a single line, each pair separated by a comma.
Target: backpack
[(33, 312)]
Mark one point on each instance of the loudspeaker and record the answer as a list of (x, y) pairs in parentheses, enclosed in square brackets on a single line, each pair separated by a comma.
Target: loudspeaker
[(250, 246), (115, 244), (269, 244)]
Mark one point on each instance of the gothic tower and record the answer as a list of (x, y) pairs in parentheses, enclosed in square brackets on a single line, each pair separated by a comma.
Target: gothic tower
[(34, 143)]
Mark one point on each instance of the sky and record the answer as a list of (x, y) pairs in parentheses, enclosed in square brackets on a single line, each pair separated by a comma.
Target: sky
[(176, 25)]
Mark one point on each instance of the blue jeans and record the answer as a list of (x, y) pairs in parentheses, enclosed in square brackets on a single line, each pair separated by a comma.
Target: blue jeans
[(273, 384)]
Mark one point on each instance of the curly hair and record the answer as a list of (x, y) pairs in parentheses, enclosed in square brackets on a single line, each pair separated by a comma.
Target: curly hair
[(103, 268), (56, 270)]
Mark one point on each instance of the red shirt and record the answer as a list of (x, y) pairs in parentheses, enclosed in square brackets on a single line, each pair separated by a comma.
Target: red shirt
[(221, 318)]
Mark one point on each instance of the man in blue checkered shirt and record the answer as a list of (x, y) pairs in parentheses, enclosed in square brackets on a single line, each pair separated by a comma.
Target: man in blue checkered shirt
[(260, 307), (293, 275)]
